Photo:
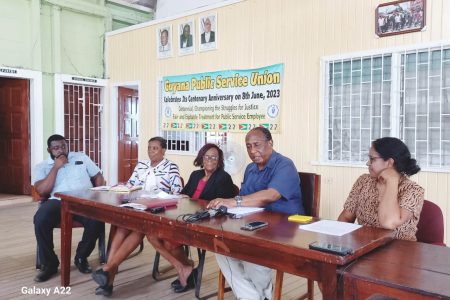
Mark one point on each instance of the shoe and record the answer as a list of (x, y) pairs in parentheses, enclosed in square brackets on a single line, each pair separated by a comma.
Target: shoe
[(175, 283), (190, 283), (104, 290), (83, 265), (45, 273), (101, 277)]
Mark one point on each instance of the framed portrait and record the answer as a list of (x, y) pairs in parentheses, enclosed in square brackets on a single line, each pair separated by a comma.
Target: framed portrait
[(164, 42), (400, 17), (186, 38), (207, 27)]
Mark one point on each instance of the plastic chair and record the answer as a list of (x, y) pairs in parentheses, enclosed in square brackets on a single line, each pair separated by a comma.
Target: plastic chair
[(310, 187), (430, 228), (201, 261), (101, 239)]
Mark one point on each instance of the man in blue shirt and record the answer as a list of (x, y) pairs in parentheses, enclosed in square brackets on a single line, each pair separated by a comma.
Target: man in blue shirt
[(63, 171), (270, 181)]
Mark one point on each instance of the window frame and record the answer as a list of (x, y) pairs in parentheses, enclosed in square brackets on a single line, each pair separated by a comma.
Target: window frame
[(396, 76), (200, 141)]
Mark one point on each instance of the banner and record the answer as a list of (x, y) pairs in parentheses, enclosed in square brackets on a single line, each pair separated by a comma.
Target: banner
[(231, 100)]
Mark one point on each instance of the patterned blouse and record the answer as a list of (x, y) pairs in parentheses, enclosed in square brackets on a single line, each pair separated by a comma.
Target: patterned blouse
[(363, 202), (166, 172)]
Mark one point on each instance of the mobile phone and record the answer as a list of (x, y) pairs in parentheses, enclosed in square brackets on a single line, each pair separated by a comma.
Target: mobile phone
[(157, 210), (254, 225), (331, 248)]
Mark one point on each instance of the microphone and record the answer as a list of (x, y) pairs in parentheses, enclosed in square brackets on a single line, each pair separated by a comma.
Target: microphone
[(222, 210), (205, 214)]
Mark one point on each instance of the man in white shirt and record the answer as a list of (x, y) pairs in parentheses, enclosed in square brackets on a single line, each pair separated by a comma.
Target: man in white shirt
[(165, 45)]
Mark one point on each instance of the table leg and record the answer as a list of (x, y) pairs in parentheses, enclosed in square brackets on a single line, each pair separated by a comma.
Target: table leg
[(329, 282), (66, 242)]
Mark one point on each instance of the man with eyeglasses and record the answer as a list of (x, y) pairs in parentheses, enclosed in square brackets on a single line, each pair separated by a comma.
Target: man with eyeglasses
[(270, 181), (63, 171), (208, 36)]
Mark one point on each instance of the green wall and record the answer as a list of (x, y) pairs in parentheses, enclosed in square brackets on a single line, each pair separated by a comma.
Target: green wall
[(62, 37)]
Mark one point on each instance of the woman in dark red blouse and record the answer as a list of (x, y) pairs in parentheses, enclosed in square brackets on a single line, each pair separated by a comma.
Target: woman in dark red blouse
[(208, 183)]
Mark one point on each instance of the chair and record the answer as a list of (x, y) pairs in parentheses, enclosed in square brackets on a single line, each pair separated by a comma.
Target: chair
[(201, 260), (101, 239), (310, 187), (430, 228)]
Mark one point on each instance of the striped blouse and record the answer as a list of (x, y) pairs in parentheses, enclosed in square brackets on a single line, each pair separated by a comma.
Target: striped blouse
[(166, 172)]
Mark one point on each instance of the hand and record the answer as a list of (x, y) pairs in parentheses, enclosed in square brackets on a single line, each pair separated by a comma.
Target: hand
[(218, 202), (387, 176), (60, 161)]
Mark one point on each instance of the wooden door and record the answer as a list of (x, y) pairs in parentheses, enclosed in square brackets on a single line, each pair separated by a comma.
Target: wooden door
[(15, 140), (128, 132)]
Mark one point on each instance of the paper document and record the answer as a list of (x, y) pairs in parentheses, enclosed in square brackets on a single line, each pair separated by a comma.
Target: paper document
[(121, 188), (331, 227), (159, 195), (137, 206), (243, 211), (101, 188)]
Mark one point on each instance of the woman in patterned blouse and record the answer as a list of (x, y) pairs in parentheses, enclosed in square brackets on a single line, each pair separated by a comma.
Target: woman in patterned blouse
[(156, 174), (386, 197)]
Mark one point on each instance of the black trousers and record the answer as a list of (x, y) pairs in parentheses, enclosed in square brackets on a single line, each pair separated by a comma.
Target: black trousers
[(47, 217)]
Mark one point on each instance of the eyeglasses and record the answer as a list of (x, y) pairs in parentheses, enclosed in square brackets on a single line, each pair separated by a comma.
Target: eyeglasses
[(371, 159), (210, 158)]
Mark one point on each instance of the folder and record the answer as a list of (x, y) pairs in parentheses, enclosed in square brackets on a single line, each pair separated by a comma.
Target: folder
[(300, 218)]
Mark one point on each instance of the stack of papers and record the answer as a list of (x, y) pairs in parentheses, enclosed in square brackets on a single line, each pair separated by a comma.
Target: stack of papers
[(159, 195), (239, 212), (120, 188), (124, 189), (101, 188), (335, 228)]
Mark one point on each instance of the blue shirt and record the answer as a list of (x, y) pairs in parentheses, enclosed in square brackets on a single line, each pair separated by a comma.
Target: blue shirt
[(279, 174), (74, 175)]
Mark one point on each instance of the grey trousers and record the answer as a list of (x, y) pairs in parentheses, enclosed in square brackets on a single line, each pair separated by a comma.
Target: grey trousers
[(248, 281)]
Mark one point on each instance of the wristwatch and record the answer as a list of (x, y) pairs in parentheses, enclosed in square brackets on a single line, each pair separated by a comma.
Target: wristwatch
[(238, 199)]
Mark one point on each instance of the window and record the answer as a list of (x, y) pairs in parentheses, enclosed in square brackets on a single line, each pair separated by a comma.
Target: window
[(82, 120), (189, 142), (405, 94)]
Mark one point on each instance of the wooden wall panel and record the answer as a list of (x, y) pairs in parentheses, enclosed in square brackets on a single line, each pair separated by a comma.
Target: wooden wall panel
[(256, 33)]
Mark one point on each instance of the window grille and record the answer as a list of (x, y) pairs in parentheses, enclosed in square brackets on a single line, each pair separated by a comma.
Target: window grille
[(404, 93), (188, 142), (82, 120)]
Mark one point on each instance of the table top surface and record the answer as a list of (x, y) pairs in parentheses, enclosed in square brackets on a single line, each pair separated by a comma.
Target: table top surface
[(412, 266), (280, 234)]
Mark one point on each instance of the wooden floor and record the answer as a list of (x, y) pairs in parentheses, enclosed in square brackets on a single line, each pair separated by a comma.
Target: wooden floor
[(134, 281)]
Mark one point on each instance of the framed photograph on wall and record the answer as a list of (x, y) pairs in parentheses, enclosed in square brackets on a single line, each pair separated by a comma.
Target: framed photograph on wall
[(400, 17), (164, 42), (207, 27), (186, 37)]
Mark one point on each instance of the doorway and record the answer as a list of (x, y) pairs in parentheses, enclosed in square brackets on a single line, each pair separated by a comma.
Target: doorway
[(15, 171), (128, 123)]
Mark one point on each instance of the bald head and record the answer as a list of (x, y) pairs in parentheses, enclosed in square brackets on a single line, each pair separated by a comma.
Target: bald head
[(259, 145)]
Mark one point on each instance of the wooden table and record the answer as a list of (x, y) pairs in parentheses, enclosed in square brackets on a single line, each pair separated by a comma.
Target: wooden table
[(281, 245), (401, 269)]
